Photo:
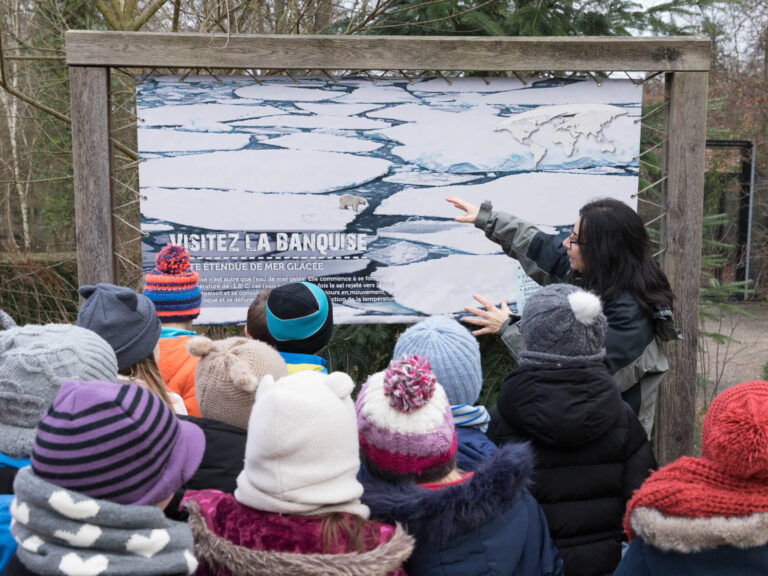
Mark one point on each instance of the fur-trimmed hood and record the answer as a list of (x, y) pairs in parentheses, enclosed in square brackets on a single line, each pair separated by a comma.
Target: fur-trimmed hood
[(437, 516), (690, 535), (221, 554)]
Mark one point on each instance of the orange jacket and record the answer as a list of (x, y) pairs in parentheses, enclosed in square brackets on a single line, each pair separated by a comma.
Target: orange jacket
[(177, 367)]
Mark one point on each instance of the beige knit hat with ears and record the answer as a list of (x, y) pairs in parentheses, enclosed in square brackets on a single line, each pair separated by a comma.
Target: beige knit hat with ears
[(228, 374)]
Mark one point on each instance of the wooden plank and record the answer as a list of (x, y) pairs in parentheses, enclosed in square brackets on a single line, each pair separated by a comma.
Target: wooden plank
[(91, 158), (185, 50), (683, 192)]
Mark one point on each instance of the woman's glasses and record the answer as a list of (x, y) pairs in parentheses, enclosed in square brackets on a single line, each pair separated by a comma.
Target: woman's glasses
[(573, 239)]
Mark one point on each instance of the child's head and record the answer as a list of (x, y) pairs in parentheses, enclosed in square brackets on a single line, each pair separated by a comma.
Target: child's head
[(302, 452), (228, 374), (299, 318), (115, 442), (34, 361), (405, 423), (122, 317), (735, 431), (562, 322), (172, 286), (453, 354), (256, 321)]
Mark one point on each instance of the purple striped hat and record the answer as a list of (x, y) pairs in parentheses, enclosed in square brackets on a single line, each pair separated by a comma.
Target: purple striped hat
[(115, 442)]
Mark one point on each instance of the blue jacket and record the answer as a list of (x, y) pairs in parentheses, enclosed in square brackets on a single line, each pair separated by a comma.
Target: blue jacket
[(8, 468), (643, 559), (473, 448), (489, 524)]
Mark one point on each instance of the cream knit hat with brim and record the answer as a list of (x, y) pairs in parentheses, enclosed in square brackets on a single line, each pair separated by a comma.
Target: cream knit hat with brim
[(302, 452)]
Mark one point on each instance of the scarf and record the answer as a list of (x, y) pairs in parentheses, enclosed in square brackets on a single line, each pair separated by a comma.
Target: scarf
[(698, 488), (64, 533), (468, 416)]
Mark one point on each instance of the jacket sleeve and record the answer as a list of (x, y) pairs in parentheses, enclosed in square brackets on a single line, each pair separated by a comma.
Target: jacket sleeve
[(512, 338), (639, 459), (542, 256)]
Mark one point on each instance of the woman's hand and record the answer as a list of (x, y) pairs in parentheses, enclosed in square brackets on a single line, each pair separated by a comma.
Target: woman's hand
[(490, 319), (470, 209)]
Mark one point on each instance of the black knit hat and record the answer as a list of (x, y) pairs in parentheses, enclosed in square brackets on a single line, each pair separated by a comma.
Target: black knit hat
[(299, 317)]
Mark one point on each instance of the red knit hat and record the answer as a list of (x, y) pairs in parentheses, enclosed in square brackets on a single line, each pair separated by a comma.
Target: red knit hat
[(731, 477)]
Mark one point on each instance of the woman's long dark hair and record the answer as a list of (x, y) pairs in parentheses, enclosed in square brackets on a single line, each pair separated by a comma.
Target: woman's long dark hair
[(616, 253)]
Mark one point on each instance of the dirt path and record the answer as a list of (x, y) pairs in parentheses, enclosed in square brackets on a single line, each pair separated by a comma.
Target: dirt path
[(741, 361)]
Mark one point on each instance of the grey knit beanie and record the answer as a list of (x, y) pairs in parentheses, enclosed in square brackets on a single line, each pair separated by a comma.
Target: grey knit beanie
[(124, 318), (228, 374), (563, 322), (6, 322), (453, 354), (34, 361)]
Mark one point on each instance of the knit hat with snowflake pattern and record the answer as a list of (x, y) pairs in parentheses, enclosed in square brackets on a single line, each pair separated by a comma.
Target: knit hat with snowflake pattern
[(172, 286), (405, 423)]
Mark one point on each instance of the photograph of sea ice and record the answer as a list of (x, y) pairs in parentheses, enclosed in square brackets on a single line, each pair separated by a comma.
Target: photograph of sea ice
[(343, 182)]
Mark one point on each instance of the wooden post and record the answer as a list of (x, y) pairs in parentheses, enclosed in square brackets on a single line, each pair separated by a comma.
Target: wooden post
[(683, 198), (92, 166)]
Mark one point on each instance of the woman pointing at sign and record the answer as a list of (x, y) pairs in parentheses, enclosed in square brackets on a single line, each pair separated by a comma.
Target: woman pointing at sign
[(608, 252)]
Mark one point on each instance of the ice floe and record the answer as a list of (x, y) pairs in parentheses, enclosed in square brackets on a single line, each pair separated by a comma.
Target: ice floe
[(223, 210), (337, 109), (155, 227), (281, 92), (541, 197), (398, 253), (328, 142), (154, 140), (453, 235), (320, 122), (446, 285), (425, 178), (263, 171), (377, 94), (196, 115)]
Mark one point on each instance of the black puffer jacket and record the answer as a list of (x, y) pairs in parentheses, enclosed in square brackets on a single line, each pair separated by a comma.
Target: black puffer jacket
[(591, 454)]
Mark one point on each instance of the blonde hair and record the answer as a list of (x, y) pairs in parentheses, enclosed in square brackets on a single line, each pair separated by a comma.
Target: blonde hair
[(146, 374)]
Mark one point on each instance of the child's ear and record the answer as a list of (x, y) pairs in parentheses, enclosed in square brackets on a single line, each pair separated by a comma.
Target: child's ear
[(246, 331)]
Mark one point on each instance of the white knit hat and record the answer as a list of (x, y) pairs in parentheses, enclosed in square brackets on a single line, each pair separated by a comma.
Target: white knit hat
[(302, 453)]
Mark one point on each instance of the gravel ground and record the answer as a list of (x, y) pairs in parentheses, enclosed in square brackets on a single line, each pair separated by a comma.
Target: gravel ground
[(742, 360)]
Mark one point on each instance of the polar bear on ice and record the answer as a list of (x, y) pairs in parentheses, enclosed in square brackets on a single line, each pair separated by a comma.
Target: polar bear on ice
[(351, 201)]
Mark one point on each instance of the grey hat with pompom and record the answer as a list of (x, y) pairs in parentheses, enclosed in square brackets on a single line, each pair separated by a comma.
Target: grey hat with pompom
[(228, 375), (562, 322)]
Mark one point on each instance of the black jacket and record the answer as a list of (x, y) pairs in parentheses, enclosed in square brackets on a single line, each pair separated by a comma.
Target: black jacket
[(591, 454)]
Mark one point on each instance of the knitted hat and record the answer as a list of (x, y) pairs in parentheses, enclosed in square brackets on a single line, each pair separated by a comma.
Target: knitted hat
[(123, 318), (34, 361), (563, 322), (299, 317), (172, 286), (731, 477), (6, 322), (302, 455), (116, 442), (405, 424), (228, 374), (452, 352)]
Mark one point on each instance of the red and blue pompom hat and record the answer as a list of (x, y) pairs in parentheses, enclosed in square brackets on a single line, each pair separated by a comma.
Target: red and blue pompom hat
[(172, 286)]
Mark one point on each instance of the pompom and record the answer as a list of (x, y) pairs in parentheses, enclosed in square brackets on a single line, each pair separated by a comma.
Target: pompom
[(340, 383), (199, 346), (172, 259), (242, 376), (585, 305), (409, 382)]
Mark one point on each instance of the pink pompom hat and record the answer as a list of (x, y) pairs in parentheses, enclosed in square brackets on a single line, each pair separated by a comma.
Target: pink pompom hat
[(405, 424)]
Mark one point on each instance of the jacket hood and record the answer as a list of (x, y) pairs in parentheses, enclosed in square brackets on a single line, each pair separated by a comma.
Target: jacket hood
[(223, 555), (689, 535), (561, 405), (437, 516)]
